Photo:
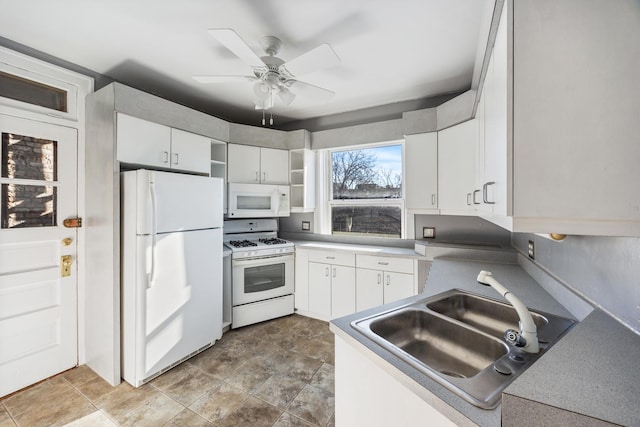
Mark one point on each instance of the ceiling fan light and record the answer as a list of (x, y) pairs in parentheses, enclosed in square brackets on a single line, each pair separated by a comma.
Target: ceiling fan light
[(261, 90), (286, 96)]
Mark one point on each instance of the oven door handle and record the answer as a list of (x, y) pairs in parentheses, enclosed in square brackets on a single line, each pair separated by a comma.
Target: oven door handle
[(247, 262)]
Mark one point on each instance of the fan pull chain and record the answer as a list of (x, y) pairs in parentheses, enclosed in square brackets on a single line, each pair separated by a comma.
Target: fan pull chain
[(270, 118)]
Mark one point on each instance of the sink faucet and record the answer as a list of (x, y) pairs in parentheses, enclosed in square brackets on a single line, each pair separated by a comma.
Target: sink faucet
[(527, 338)]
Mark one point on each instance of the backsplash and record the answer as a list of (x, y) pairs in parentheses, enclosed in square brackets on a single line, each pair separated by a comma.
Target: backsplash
[(604, 270)]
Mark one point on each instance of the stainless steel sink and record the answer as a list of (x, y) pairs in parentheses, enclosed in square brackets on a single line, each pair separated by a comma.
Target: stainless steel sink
[(456, 338)]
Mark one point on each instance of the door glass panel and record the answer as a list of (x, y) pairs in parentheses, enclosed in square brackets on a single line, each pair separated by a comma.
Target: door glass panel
[(263, 278), (25, 157), (254, 202), (28, 204), (20, 89)]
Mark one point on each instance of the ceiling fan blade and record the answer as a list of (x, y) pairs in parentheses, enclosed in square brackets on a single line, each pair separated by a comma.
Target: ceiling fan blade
[(307, 89), (320, 57), (232, 41), (223, 79)]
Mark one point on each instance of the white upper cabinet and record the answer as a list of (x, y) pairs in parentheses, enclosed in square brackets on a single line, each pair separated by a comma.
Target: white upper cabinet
[(190, 152), (274, 166), (560, 119), (150, 144), (421, 172), (257, 165), (457, 168), (142, 142)]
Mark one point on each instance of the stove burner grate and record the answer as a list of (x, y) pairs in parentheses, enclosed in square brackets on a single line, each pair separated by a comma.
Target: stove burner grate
[(272, 241), (242, 243)]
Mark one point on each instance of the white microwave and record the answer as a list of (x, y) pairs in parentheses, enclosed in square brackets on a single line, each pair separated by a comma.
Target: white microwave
[(257, 200)]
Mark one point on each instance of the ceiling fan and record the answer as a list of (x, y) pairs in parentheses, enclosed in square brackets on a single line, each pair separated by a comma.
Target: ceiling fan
[(272, 75)]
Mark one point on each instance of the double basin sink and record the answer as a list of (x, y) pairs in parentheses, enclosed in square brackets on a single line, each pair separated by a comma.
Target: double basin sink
[(457, 339)]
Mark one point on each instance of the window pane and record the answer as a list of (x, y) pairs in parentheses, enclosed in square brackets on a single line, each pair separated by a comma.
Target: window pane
[(14, 87), (25, 157), (371, 173), (28, 206), (378, 221)]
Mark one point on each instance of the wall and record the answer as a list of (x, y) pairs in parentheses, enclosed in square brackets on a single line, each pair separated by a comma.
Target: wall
[(603, 270), (450, 229)]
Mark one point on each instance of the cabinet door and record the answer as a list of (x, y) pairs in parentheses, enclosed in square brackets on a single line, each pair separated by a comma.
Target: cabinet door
[(397, 286), (369, 288), (274, 166), (190, 152), (320, 289), (343, 291), (456, 168), (243, 163), (421, 171), (142, 142), (495, 186)]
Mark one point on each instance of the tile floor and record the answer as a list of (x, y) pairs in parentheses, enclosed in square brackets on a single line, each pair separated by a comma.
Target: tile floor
[(277, 373)]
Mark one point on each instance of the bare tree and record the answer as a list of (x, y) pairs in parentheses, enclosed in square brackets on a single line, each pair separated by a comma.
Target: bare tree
[(352, 168)]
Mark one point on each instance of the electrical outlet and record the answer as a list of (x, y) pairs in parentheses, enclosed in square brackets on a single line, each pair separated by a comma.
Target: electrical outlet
[(532, 250), (428, 232), (306, 225)]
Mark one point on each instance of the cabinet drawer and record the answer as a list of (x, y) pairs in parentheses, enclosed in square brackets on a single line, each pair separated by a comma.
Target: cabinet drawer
[(400, 265), (330, 257)]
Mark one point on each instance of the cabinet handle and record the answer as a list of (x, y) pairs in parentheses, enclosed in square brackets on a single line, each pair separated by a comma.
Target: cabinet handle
[(484, 193), (379, 278), (264, 176), (334, 272), (388, 280), (468, 199), (433, 199), (331, 257), (177, 158), (474, 197), (383, 263), (165, 157), (326, 272), (257, 177)]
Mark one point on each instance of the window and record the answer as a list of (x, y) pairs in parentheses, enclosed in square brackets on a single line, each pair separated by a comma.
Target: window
[(366, 191)]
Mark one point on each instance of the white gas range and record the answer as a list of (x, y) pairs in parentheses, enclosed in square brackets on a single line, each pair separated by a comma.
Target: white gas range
[(262, 270)]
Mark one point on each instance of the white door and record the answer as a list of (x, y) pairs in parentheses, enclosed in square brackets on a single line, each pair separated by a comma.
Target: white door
[(38, 312), (243, 163), (343, 291), (369, 290), (190, 152), (320, 289)]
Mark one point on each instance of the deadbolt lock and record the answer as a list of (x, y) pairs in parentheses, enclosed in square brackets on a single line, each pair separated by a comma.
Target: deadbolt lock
[(65, 265)]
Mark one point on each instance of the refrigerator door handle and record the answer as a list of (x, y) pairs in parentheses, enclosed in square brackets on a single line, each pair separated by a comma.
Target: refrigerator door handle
[(154, 231)]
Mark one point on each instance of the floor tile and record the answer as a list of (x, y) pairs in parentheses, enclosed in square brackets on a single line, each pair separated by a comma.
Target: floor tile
[(155, 411), (313, 405), (188, 418), (65, 407), (324, 379), (219, 402), (252, 413), (288, 420), (250, 375), (185, 383), (280, 390), (41, 392), (124, 398), (94, 419)]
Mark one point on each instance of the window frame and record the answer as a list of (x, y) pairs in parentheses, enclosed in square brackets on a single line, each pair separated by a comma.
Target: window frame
[(325, 180)]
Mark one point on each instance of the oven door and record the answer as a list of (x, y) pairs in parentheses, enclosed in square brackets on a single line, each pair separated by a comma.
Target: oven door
[(257, 279)]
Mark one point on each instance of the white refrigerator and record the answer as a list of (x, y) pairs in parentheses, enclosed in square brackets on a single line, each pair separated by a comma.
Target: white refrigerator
[(171, 284)]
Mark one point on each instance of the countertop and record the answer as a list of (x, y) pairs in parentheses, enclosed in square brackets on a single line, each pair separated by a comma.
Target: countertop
[(601, 381), (428, 250)]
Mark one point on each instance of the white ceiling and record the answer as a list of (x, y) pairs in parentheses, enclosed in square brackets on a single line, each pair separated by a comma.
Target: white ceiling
[(391, 51)]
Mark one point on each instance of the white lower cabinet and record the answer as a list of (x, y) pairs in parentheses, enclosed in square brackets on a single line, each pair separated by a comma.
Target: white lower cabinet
[(380, 280), (331, 284)]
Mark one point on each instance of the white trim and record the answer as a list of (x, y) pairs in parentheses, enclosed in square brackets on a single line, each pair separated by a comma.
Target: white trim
[(78, 86)]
